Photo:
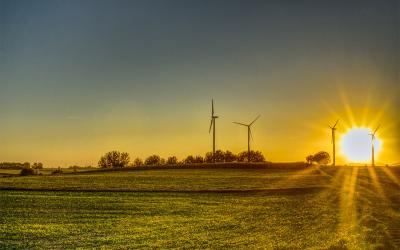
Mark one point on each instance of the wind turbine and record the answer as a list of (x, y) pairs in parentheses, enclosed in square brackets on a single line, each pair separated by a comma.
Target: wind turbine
[(248, 135), (333, 128), (212, 125), (373, 144)]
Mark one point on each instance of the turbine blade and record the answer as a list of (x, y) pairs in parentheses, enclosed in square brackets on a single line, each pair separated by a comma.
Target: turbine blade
[(212, 121), (334, 126), (240, 124), (251, 136), (376, 130), (254, 120), (212, 107)]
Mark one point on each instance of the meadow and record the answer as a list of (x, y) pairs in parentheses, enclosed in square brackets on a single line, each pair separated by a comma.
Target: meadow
[(314, 207)]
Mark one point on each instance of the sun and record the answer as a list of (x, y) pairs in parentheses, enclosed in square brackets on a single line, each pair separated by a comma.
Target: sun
[(356, 145)]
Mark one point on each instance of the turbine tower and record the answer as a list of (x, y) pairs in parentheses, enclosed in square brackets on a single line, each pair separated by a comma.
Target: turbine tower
[(373, 144), (248, 135), (333, 128), (212, 125)]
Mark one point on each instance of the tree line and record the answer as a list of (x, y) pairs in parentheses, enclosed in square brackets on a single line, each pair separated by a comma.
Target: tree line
[(18, 165), (116, 159)]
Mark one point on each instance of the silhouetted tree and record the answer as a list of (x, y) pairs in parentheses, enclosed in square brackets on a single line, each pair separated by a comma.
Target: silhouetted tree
[(162, 161), (255, 156), (172, 160), (153, 160), (229, 156), (114, 159), (189, 159), (36, 165), (219, 156), (309, 159), (137, 162), (198, 159), (14, 165), (322, 158), (209, 157)]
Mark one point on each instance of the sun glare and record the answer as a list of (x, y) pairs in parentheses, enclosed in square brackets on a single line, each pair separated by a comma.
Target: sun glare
[(356, 145)]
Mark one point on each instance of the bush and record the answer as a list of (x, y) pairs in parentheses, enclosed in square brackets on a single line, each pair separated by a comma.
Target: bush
[(27, 171), (114, 159)]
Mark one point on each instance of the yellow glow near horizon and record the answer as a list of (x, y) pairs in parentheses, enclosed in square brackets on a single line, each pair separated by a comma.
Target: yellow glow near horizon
[(356, 145)]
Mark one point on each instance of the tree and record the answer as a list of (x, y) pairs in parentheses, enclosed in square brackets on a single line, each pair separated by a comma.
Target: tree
[(209, 157), (198, 159), (137, 162), (309, 159), (322, 158), (172, 160), (229, 156), (255, 156), (162, 161), (219, 156), (37, 165), (189, 159), (114, 159), (153, 160)]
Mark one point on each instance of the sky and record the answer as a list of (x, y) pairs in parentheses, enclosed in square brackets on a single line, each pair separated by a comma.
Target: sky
[(80, 78)]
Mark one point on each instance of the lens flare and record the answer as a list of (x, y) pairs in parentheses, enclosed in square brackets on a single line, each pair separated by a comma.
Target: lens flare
[(356, 145)]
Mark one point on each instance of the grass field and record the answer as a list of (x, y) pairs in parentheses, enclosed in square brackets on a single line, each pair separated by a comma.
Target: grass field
[(318, 208), (8, 172)]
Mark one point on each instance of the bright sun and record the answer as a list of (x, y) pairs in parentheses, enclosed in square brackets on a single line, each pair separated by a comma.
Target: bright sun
[(356, 145)]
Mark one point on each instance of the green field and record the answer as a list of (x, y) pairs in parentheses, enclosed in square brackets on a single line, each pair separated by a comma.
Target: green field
[(318, 208)]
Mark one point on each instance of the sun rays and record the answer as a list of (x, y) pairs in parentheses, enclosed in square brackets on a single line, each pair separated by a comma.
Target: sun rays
[(356, 115)]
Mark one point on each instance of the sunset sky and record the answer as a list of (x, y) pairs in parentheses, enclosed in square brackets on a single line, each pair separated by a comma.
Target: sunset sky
[(80, 78)]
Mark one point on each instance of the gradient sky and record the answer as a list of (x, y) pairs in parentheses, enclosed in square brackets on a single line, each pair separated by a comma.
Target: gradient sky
[(80, 78)]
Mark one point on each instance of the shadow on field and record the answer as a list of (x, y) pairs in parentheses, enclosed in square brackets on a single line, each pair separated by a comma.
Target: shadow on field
[(276, 191)]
